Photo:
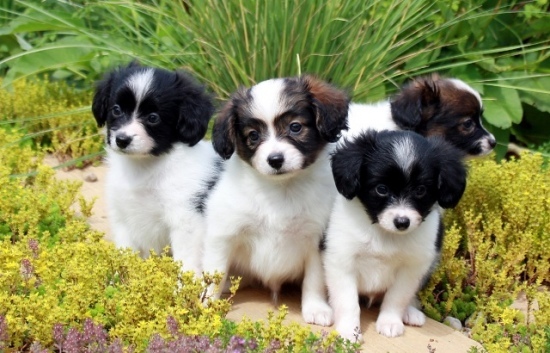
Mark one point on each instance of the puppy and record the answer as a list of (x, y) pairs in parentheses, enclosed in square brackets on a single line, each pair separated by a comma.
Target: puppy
[(430, 106), (159, 169), (267, 214), (386, 231)]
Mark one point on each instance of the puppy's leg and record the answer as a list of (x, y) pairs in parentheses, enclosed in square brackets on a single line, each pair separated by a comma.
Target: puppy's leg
[(122, 237), (217, 250), (187, 244), (344, 299), (396, 303), (315, 309)]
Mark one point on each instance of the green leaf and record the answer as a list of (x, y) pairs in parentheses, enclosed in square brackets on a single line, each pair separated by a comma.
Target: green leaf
[(502, 106)]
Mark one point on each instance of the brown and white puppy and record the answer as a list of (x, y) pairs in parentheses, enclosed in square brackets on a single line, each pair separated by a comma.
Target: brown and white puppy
[(268, 211), (430, 106)]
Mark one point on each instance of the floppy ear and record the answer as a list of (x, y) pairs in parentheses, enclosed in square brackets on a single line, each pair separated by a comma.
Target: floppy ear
[(347, 160), (452, 173), (195, 111), (331, 107), (416, 102), (102, 95), (223, 134)]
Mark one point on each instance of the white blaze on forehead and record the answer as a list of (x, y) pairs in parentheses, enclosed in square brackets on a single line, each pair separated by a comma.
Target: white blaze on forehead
[(266, 99), (464, 86), (140, 83), (404, 152)]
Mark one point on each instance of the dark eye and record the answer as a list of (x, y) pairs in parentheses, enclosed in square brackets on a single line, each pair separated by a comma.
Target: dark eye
[(117, 112), (295, 127), (468, 124), (420, 191), (382, 190), (253, 136), (153, 119)]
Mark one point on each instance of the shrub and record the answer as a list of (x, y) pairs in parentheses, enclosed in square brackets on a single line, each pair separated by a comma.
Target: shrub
[(64, 289), (496, 246), (51, 116)]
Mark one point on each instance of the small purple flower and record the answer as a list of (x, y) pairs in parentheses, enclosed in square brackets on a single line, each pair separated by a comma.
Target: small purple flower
[(173, 326), (4, 335), (26, 269), (34, 247)]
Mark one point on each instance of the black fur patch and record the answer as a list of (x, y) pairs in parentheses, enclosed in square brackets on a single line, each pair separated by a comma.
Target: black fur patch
[(199, 200)]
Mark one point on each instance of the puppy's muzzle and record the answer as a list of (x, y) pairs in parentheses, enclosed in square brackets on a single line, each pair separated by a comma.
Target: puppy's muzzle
[(401, 223), (123, 140), (276, 160)]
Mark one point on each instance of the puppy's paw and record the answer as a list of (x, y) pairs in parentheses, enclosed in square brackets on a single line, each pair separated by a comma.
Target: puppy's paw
[(414, 317), (350, 333), (317, 312), (390, 325)]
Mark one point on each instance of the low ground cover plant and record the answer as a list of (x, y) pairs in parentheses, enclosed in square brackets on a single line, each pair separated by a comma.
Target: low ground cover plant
[(496, 247), (52, 117)]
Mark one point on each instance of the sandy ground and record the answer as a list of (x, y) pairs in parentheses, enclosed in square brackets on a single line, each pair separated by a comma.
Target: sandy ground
[(255, 303)]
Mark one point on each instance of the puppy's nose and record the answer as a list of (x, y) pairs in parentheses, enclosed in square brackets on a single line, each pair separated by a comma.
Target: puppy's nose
[(401, 223), (492, 142), (276, 160), (123, 140)]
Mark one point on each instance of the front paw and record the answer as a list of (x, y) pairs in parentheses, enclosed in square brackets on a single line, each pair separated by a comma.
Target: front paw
[(390, 325), (350, 333), (414, 317), (317, 312)]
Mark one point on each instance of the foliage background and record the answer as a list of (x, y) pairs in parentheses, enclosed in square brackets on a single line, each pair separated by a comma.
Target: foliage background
[(369, 47)]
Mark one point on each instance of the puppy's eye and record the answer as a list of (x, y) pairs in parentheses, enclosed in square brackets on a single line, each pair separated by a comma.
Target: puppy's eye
[(420, 191), (295, 128), (253, 136), (117, 112), (382, 190), (468, 125), (153, 119)]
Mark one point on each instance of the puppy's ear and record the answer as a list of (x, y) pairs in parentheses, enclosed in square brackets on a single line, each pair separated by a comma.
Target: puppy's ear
[(195, 111), (347, 161), (452, 173), (331, 107), (416, 102), (102, 96), (223, 134)]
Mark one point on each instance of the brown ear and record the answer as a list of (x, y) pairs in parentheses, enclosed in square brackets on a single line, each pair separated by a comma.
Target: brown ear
[(223, 132), (331, 106), (416, 102)]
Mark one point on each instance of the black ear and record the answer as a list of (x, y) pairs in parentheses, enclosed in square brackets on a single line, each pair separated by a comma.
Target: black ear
[(195, 111), (347, 162), (102, 96), (331, 107), (415, 103), (224, 134), (452, 173)]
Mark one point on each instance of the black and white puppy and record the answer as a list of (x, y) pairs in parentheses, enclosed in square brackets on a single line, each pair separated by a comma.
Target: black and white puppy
[(385, 232), (159, 169), (267, 214), (430, 106)]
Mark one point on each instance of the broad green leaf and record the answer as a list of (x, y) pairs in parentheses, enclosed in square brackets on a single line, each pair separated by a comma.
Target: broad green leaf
[(502, 106)]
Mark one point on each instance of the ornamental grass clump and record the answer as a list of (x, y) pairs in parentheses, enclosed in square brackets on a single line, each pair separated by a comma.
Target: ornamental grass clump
[(496, 248), (63, 288)]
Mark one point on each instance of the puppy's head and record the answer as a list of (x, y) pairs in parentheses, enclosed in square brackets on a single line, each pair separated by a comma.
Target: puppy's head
[(399, 176), (279, 126), (147, 110), (434, 106)]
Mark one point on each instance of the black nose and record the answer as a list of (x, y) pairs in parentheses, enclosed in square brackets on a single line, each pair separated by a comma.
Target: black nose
[(492, 142), (401, 223), (123, 141), (276, 160)]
